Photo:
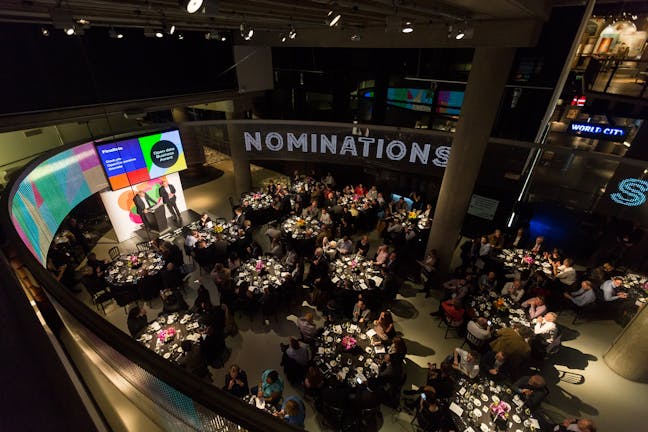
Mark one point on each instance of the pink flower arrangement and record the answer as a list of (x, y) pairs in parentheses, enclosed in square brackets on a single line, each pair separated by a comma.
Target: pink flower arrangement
[(257, 195), (259, 265), (166, 335), (500, 410), (354, 263), (528, 260), (349, 342)]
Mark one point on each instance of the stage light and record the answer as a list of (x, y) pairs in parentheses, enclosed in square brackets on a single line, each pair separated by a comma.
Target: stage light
[(45, 31), (282, 37), (69, 31), (192, 6), (180, 36), (246, 32), (292, 34), (333, 17), (407, 27), (115, 34), (83, 21), (355, 37), (159, 34)]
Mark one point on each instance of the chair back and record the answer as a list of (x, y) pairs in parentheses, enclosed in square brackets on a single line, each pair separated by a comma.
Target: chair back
[(554, 346), (143, 246), (474, 341), (114, 253)]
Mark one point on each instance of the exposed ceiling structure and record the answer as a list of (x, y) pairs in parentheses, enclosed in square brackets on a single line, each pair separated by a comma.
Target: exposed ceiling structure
[(269, 15)]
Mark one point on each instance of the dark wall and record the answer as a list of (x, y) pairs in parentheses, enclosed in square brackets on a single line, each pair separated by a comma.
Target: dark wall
[(41, 73)]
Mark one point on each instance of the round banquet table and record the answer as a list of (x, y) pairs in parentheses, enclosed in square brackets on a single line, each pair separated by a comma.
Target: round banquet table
[(351, 367), (258, 207), (132, 268), (521, 259), (356, 270), (410, 219), (182, 325), (257, 274), (227, 231), (508, 314), (301, 233), (469, 408)]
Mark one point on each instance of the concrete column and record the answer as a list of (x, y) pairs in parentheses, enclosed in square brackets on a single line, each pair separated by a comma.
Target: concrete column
[(240, 159), (489, 73), (627, 355), (194, 152)]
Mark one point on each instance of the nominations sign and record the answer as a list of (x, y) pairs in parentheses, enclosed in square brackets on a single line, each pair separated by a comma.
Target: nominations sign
[(598, 131), (356, 146)]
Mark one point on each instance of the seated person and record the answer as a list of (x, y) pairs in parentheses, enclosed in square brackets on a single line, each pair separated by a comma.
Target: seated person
[(454, 311), (545, 326), (361, 312), (205, 221), (293, 411), (465, 362), (297, 352), (610, 289), (381, 255), (492, 364), (236, 382), (270, 388), (479, 329), (514, 290), (575, 425), (487, 282), (314, 379), (345, 246), (565, 273), (203, 303), (429, 413), (389, 376), (584, 296), (193, 360), (362, 246), (536, 305), (136, 320), (532, 390), (384, 326), (397, 350)]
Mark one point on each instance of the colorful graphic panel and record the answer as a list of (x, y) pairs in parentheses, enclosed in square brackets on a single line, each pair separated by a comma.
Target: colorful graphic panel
[(46, 196), (140, 159)]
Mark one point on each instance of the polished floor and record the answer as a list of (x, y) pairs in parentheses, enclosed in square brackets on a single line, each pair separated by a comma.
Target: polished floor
[(581, 384)]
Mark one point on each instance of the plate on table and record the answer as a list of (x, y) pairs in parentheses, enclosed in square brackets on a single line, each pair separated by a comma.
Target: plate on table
[(167, 355), (516, 418), (477, 413), (329, 339), (333, 363), (477, 402), (368, 350), (495, 399)]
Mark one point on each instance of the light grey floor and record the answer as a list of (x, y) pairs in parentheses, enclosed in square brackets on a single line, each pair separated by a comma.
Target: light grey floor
[(613, 402)]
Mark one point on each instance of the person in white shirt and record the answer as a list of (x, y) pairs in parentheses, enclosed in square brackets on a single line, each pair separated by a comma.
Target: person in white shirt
[(584, 296), (465, 362), (514, 290), (345, 246), (565, 273), (360, 312), (191, 239), (536, 306), (479, 329), (325, 217), (546, 327), (484, 247)]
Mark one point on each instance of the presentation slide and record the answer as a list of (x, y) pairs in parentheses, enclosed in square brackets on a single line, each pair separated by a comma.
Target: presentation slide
[(137, 160)]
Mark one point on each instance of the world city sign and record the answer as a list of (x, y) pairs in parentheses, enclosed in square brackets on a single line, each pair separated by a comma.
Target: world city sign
[(598, 131), (632, 192)]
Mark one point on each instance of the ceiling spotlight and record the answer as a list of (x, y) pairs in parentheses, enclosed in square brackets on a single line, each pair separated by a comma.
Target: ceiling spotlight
[(171, 29), (180, 36), (282, 37), (159, 34), (223, 37), (246, 32), (355, 37), (83, 21), (192, 6), (460, 34), (69, 31), (407, 27), (333, 17), (292, 34), (45, 31), (115, 34)]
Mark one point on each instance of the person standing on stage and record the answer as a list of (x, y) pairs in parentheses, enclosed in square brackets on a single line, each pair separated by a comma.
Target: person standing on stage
[(167, 192), (142, 204)]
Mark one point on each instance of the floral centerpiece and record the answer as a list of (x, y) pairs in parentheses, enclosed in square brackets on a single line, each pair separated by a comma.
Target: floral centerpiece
[(133, 261), (499, 411), (499, 304), (218, 229), (412, 215), (259, 265), (528, 260), (257, 196), (348, 342), (300, 223), (166, 335)]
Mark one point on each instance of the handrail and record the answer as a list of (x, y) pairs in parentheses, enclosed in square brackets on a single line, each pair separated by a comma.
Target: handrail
[(209, 396)]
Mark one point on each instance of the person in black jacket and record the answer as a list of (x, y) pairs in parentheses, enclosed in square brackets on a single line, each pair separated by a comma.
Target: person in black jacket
[(136, 320), (532, 390), (168, 194), (492, 364), (193, 360), (142, 203), (236, 382)]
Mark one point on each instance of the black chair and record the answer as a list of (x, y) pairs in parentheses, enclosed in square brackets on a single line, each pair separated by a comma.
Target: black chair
[(589, 310), (474, 342), (99, 293), (149, 286), (114, 253), (450, 325)]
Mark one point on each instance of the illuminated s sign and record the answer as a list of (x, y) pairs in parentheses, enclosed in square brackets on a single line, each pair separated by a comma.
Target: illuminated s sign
[(632, 192), (598, 131), (346, 145)]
